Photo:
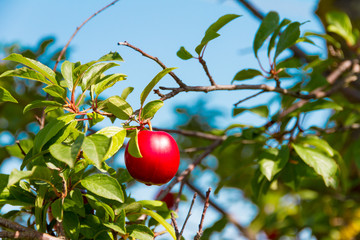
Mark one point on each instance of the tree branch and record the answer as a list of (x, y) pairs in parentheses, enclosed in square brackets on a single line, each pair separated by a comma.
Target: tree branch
[(190, 168), (77, 30), (173, 75), (206, 205), (245, 231), (192, 133)]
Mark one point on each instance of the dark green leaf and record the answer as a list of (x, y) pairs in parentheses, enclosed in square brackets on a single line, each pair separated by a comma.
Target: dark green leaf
[(56, 91), (93, 74), (50, 130), (117, 136), (119, 107), (95, 148), (184, 54), (150, 109), (77, 197), (154, 205), (267, 27), (36, 173), (67, 69), (112, 56), (105, 209), (41, 104), (288, 38), (125, 93), (41, 68), (133, 147), (119, 224), (57, 209), (108, 81), (5, 96), (71, 225), (39, 208), (104, 186), (289, 63), (65, 153), (140, 232), (262, 111), (318, 105), (152, 84), (211, 32), (27, 73), (323, 165), (276, 34), (246, 74)]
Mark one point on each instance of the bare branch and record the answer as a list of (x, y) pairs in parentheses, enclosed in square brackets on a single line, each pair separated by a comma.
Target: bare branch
[(22, 232), (245, 231), (77, 30), (174, 223), (192, 133), (203, 63), (188, 215), (189, 169), (173, 75), (206, 205), (247, 98)]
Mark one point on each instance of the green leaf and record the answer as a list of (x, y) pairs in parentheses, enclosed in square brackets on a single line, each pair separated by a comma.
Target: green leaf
[(276, 34), (125, 93), (184, 54), (150, 109), (27, 73), (67, 70), (39, 208), (323, 165), (104, 186), (318, 143), (340, 23), (41, 68), (41, 104), (65, 153), (5, 96), (262, 111), (154, 205), (117, 136), (94, 118), (119, 107), (152, 84), (140, 232), (327, 37), (57, 209), (71, 225), (56, 91), (93, 74), (292, 62), (50, 130), (105, 209), (133, 147), (288, 38), (95, 148), (267, 27), (211, 32), (77, 197), (108, 81), (119, 224), (246, 74), (15, 151), (37, 173), (272, 161), (160, 220), (111, 56)]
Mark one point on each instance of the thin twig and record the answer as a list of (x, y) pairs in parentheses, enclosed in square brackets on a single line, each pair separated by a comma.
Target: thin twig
[(177, 199), (190, 168), (206, 205), (173, 75), (188, 215), (203, 63), (174, 223), (78, 29), (190, 133), (21, 149), (248, 98), (245, 231)]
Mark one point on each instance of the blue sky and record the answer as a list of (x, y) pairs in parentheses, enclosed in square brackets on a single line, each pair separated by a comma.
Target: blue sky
[(160, 28)]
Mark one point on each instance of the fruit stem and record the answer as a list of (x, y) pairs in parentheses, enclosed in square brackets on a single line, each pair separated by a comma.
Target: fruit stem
[(149, 123)]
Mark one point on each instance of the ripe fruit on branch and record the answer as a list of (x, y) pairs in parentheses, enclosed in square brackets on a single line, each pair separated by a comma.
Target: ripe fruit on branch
[(160, 158)]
